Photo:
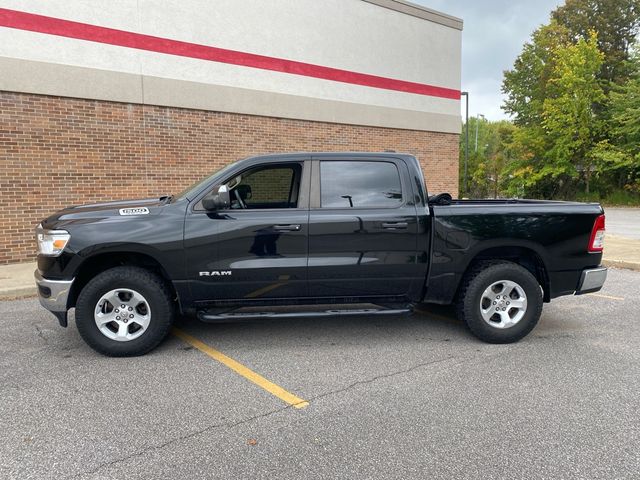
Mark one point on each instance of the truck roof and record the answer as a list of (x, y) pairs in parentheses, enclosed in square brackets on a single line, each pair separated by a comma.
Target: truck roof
[(332, 154)]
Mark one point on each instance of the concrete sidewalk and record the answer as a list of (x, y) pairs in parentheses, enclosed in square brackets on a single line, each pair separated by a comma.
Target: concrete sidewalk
[(17, 281), (621, 252)]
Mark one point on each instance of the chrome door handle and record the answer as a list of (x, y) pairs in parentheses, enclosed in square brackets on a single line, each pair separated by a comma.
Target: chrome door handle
[(287, 228), (395, 225)]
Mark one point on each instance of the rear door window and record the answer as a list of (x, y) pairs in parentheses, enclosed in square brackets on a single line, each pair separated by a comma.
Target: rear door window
[(359, 184)]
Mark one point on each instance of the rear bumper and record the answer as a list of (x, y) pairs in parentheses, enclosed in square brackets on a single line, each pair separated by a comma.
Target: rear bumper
[(53, 295), (591, 280)]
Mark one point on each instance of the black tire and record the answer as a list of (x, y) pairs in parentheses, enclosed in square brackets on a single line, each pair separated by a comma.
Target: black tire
[(480, 278), (150, 286)]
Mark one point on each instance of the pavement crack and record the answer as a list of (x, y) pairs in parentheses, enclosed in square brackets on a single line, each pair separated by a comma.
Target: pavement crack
[(41, 334), (381, 377), (256, 417), (180, 438)]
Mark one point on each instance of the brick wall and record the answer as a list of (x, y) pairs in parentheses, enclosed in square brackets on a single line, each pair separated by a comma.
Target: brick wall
[(56, 152), (270, 186)]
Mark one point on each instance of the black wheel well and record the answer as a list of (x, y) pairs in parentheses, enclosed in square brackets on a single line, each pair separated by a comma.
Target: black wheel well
[(523, 256), (101, 262)]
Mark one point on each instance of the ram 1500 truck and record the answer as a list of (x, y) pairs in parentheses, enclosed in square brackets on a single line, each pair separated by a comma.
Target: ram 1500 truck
[(324, 232)]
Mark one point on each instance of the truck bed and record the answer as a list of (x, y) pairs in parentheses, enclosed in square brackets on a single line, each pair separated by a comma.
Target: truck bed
[(554, 233)]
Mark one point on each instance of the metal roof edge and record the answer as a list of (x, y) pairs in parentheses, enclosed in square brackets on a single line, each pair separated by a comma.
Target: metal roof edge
[(419, 11)]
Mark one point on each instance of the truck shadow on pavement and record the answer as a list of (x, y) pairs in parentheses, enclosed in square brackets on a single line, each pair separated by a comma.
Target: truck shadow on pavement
[(432, 324)]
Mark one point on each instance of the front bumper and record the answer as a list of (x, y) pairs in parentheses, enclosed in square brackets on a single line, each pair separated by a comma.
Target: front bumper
[(53, 295), (591, 280)]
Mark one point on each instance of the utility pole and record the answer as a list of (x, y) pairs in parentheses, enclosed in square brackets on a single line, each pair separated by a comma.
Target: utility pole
[(477, 122), (466, 139)]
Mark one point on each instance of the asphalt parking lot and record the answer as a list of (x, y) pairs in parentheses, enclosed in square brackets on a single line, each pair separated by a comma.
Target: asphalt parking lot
[(407, 397)]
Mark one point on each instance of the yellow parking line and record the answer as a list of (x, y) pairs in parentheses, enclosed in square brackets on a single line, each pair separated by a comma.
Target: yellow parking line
[(610, 297), (240, 369)]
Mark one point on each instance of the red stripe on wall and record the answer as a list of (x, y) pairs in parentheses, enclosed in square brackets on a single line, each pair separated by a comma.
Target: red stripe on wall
[(93, 33)]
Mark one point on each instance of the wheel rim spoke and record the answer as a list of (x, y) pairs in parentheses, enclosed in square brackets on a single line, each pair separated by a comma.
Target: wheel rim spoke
[(488, 313), (102, 318), (123, 331), (113, 298), (519, 303), (142, 320), (505, 319), (135, 300)]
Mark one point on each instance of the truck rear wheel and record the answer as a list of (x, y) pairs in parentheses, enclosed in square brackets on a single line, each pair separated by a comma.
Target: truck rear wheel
[(500, 301), (124, 311)]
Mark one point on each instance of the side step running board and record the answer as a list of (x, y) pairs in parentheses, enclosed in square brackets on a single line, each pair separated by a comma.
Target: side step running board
[(216, 317)]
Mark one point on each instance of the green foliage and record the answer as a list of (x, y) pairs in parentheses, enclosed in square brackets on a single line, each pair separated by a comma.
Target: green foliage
[(574, 96), (526, 84), (619, 156), (616, 23), (617, 198), (487, 164), (568, 114)]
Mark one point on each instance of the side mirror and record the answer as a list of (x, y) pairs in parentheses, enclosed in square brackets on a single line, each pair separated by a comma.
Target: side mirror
[(217, 199)]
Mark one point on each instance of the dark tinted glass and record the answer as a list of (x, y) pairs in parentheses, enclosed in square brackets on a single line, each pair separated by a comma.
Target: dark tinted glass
[(360, 184), (270, 187)]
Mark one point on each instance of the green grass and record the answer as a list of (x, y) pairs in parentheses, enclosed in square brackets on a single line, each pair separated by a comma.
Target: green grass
[(618, 198)]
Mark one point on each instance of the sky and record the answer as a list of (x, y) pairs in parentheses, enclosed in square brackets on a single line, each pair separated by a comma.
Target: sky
[(493, 35)]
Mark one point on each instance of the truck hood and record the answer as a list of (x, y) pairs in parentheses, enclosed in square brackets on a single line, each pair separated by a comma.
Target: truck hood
[(96, 211)]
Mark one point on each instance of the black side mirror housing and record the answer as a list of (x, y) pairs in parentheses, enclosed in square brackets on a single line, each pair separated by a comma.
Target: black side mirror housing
[(217, 199)]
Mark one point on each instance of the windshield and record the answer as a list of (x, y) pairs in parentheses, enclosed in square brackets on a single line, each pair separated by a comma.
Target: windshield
[(197, 186)]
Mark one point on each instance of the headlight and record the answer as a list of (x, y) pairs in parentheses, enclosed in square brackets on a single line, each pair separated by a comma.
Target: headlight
[(51, 242)]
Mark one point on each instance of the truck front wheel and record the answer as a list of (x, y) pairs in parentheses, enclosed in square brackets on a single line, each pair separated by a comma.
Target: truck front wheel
[(500, 301), (124, 311)]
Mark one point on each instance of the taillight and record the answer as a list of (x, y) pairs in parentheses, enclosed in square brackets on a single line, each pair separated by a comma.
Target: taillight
[(596, 243)]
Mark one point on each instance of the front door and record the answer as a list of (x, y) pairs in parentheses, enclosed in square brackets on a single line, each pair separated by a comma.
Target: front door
[(362, 228), (257, 249)]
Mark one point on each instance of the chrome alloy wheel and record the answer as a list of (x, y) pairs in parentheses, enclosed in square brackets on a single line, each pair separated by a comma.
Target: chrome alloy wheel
[(122, 314), (503, 304)]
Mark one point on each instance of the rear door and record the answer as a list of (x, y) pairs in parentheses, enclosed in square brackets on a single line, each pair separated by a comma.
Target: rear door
[(362, 228)]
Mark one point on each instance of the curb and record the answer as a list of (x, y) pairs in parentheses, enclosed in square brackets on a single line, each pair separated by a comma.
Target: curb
[(17, 293), (621, 264)]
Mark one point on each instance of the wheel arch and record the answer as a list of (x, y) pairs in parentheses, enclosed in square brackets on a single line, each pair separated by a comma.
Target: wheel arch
[(522, 255), (101, 262)]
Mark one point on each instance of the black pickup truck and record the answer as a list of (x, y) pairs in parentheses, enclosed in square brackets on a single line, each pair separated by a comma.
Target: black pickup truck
[(320, 234)]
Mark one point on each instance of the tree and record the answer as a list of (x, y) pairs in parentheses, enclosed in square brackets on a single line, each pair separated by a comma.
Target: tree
[(526, 84), (574, 95), (568, 114), (558, 118), (615, 21), (526, 87), (487, 164), (619, 156)]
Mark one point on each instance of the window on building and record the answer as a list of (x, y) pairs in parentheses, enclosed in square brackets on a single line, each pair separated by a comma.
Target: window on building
[(345, 184)]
